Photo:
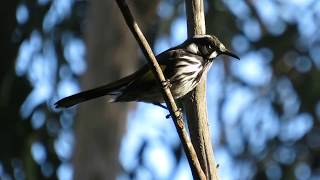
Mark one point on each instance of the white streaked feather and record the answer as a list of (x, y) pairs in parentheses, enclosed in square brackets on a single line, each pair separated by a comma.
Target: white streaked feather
[(193, 59), (188, 67)]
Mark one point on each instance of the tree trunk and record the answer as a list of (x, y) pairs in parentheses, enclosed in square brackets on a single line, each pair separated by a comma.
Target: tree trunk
[(196, 103), (111, 54)]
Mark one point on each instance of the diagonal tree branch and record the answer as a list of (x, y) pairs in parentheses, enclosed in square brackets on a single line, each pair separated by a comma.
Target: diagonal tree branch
[(173, 109), (195, 103)]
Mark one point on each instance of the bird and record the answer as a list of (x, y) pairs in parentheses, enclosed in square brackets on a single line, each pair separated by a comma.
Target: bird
[(182, 65)]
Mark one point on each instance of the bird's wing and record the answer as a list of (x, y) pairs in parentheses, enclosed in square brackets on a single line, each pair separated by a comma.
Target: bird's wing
[(119, 90), (145, 84)]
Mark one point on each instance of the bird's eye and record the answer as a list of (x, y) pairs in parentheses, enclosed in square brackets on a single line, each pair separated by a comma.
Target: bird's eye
[(210, 46)]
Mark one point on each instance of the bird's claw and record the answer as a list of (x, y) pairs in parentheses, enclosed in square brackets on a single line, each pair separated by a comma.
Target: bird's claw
[(166, 83), (178, 111)]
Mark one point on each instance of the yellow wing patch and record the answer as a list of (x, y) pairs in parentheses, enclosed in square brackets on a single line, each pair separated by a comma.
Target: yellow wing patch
[(148, 76)]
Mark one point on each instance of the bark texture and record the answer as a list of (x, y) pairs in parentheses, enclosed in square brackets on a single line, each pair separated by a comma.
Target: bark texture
[(111, 54), (195, 103)]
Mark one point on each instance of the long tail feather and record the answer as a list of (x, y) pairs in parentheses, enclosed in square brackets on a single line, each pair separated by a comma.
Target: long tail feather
[(83, 96), (111, 89)]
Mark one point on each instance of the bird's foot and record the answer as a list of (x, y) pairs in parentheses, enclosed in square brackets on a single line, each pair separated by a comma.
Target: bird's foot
[(178, 112), (179, 119), (166, 83)]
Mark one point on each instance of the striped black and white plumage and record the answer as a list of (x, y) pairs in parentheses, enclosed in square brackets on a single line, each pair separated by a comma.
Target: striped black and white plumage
[(183, 66)]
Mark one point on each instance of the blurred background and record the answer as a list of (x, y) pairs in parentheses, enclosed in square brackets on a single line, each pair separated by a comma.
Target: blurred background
[(264, 110)]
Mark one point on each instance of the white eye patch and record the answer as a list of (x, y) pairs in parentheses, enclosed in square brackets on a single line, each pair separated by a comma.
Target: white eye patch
[(193, 48), (213, 55)]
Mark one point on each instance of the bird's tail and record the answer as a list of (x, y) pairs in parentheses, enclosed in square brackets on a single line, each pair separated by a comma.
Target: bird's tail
[(113, 90), (83, 96)]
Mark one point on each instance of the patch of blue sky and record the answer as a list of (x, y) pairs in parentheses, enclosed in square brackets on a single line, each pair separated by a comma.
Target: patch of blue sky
[(270, 15), (234, 139), (155, 125), (295, 128), (245, 169), (178, 31), (40, 72), (302, 171), (268, 10), (291, 11), (226, 163), (47, 169), (316, 8), (37, 69), (26, 52), (285, 154), (214, 94), (237, 99), (18, 171), (216, 76), (58, 10), (64, 144), (67, 87), (65, 171), (277, 27), (288, 12), (74, 52), (253, 69), (183, 171), (22, 14), (303, 64), (43, 2), (215, 128), (66, 119), (38, 119), (267, 54), (300, 3), (314, 52), (238, 8), (65, 72), (160, 159), (273, 170), (24, 57), (130, 145), (252, 29), (161, 44), (165, 9), (39, 94), (308, 25), (288, 97), (240, 43), (38, 152), (53, 127), (142, 173), (260, 124)]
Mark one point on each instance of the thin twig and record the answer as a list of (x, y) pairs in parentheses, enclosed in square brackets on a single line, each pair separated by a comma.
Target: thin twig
[(173, 109)]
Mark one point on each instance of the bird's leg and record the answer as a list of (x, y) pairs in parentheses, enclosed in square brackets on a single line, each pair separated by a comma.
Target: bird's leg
[(165, 107), (160, 105), (166, 83)]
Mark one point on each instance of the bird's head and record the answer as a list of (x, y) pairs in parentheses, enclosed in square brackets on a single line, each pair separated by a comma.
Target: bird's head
[(208, 46)]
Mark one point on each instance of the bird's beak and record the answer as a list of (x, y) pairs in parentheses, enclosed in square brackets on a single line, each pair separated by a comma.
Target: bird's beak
[(229, 53)]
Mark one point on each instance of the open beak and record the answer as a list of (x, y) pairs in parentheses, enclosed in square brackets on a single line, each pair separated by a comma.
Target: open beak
[(229, 53)]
